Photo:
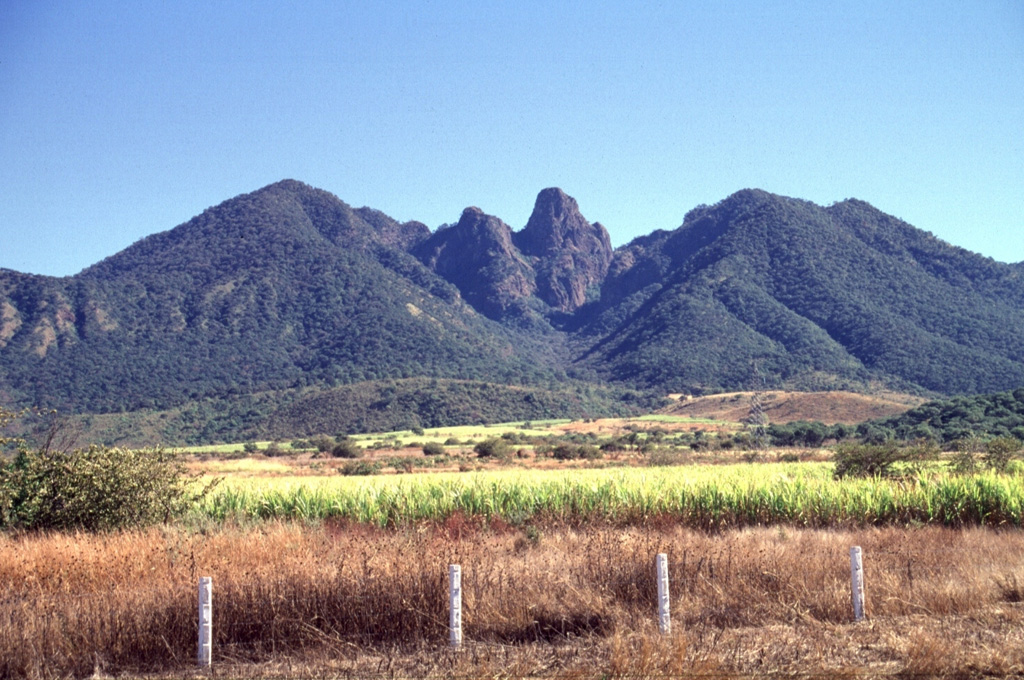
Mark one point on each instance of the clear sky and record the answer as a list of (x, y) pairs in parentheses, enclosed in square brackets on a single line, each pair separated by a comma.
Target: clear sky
[(122, 119)]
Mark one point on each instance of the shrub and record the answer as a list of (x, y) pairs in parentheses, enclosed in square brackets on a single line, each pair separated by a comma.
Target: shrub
[(250, 447), (1000, 451), (94, 489), (360, 467), (572, 452), (322, 443), (564, 452), (433, 449), (964, 460), (888, 459), (497, 448), (347, 449)]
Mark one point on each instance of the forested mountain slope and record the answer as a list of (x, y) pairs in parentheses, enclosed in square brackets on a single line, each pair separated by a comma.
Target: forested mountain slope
[(283, 287), (290, 288), (813, 296)]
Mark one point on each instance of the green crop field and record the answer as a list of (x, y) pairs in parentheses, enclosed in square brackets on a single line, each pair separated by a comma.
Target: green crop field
[(702, 496)]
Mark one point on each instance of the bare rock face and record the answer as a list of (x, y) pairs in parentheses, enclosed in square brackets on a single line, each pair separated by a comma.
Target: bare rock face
[(569, 254), (478, 256)]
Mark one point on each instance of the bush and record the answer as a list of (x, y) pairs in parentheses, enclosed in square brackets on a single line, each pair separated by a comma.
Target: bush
[(347, 449), (433, 449), (95, 489), (572, 452), (881, 460), (360, 467), (322, 443), (1000, 451), (497, 448)]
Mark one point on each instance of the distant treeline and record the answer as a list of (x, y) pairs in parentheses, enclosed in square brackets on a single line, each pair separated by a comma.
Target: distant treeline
[(984, 416)]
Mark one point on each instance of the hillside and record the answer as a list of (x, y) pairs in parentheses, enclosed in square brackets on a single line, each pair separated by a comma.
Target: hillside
[(289, 290), (281, 288), (814, 297)]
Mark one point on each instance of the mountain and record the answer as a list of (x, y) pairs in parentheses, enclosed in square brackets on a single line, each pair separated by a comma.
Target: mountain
[(288, 290), (552, 266), (810, 296), (280, 288)]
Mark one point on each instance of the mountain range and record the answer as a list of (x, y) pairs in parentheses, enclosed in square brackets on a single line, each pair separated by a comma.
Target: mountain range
[(287, 301)]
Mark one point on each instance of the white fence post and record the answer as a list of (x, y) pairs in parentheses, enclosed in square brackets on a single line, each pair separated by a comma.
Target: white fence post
[(455, 605), (205, 620), (664, 618), (857, 582)]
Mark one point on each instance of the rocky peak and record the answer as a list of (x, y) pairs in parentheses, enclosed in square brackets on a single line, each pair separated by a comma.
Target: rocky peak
[(478, 256), (572, 255), (556, 224)]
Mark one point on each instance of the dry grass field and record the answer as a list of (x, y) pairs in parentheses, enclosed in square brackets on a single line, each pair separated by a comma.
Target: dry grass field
[(558, 568), (554, 601), (784, 407)]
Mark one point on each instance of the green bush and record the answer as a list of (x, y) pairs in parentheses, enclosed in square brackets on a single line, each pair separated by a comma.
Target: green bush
[(322, 443), (888, 459), (1000, 451), (497, 448), (95, 489), (433, 449), (347, 449), (360, 467)]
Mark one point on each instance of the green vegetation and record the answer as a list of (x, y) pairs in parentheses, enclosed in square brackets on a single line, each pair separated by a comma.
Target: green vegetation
[(705, 497), (985, 415), (284, 313), (815, 297), (882, 460), (281, 288), (96, 488)]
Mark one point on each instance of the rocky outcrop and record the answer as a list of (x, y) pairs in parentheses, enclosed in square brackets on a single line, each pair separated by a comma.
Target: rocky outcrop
[(477, 256), (569, 255)]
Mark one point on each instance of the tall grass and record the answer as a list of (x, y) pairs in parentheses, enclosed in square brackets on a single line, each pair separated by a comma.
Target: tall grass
[(703, 497), (361, 601)]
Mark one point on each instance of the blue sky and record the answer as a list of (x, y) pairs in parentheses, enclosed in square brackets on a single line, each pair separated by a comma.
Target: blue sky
[(122, 119)]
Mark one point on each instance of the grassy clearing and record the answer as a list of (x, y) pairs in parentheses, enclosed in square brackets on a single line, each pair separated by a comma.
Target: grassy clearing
[(551, 601)]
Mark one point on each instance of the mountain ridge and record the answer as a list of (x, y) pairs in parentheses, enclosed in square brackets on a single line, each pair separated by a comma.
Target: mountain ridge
[(290, 287)]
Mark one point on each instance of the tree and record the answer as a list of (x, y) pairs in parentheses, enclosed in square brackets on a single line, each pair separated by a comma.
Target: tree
[(497, 448)]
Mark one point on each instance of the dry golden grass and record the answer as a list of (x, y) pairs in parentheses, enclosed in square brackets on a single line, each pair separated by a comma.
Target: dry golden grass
[(784, 407), (350, 601)]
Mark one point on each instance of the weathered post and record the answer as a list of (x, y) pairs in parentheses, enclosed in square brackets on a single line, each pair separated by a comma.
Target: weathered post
[(857, 582), (455, 605), (664, 618), (205, 621)]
